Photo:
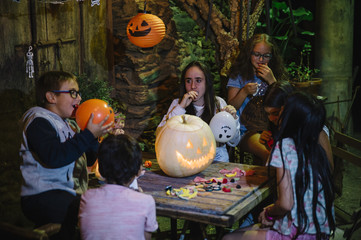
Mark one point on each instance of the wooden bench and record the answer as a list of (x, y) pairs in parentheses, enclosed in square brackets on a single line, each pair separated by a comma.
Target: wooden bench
[(12, 232), (342, 149)]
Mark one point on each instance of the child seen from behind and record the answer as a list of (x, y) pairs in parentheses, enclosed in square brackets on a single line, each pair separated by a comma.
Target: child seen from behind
[(115, 211)]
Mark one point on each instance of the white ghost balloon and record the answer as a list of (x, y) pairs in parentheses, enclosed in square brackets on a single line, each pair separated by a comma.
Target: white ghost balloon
[(223, 126)]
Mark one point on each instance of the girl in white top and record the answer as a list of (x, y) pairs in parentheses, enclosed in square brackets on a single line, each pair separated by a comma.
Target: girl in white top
[(197, 98)]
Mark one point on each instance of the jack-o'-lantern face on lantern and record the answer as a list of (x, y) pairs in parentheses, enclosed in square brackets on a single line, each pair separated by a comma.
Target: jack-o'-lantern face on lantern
[(140, 31), (185, 146), (145, 30)]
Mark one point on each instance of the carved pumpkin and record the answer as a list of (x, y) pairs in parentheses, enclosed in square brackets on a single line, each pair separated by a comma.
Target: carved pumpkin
[(145, 30), (185, 146), (223, 126)]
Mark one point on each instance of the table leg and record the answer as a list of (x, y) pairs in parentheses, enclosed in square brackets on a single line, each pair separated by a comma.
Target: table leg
[(185, 227), (173, 228), (203, 228)]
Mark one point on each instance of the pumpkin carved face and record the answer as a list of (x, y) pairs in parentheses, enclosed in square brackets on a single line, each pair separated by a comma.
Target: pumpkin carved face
[(145, 30), (185, 146)]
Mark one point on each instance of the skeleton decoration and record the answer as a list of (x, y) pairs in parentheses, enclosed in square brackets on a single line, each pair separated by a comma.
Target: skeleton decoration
[(30, 63)]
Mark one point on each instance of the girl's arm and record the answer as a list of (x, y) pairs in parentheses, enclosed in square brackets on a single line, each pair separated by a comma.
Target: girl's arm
[(236, 96), (174, 110), (285, 200), (325, 144), (147, 235)]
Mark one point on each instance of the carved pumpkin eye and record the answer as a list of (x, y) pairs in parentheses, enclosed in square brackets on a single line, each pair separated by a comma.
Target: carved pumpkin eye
[(189, 144), (204, 142)]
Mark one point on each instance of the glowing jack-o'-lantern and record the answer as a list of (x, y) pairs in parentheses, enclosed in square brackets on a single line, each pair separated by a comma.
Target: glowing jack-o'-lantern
[(185, 146), (145, 30), (223, 126)]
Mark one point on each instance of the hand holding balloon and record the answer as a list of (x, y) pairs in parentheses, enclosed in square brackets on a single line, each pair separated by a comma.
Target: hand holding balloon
[(96, 116), (99, 129), (230, 109)]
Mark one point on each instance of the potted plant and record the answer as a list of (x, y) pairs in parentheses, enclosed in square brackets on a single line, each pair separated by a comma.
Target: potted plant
[(302, 74)]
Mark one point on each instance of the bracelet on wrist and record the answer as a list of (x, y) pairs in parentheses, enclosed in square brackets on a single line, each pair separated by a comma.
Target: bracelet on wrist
[(268, 217)]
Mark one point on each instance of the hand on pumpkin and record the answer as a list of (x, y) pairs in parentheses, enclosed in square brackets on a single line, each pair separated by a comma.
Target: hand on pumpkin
[(188, 98), (266, 73), (230, 109), (98, 129)]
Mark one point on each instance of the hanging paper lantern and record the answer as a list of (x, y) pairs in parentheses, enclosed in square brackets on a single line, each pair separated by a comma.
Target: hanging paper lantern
[(145, 30), (185, 146)]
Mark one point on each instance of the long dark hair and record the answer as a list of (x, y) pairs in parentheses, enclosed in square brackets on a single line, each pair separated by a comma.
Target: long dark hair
[(275, 96), (277, 93), (302, 120), (209, 97), (243, 66)]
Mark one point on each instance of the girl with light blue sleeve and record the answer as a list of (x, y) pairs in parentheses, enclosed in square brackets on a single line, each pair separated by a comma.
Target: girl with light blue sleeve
[(258, 65)]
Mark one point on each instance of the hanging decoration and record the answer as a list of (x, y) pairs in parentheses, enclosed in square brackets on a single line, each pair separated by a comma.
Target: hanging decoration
[(95, 2), (54, 1), (29, 63), (145, 30)]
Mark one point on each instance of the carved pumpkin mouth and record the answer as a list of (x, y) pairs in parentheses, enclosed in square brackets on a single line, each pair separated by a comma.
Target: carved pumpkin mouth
[(198, 162), (140, 33)]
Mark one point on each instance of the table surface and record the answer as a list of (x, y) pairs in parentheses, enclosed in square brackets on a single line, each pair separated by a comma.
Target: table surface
[(216, 208)]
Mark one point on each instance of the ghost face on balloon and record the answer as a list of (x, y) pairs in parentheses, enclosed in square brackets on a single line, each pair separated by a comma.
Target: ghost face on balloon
[(223, 126)]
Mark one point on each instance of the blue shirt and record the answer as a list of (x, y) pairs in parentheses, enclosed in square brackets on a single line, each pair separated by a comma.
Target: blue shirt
[(238, 82)]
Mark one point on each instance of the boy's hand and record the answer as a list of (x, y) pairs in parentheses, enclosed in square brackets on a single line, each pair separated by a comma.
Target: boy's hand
[(265, 137), (99, 129)]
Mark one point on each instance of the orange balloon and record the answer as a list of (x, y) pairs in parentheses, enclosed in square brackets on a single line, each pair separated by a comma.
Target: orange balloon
[(98, 107)]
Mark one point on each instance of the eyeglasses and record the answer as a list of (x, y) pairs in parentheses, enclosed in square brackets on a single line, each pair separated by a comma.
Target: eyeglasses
[(266, 56), (73, 93)]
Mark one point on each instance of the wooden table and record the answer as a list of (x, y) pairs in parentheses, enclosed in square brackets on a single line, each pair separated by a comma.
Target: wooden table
[(219, 208)]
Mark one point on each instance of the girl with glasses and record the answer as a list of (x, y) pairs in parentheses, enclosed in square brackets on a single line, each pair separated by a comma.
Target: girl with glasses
[(258, 65)]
